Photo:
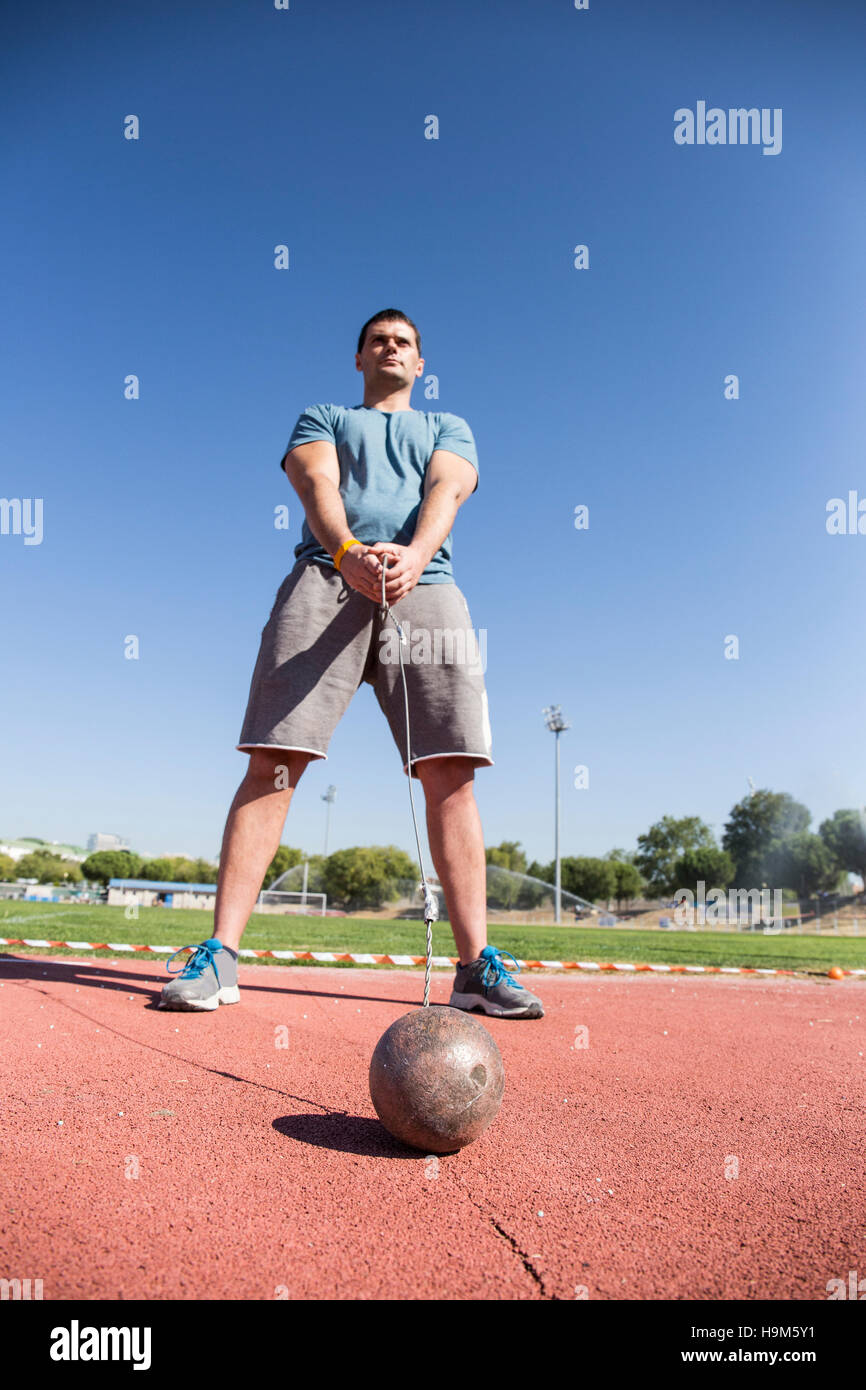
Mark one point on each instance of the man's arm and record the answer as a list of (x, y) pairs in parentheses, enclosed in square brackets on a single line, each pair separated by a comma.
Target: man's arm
[(313, 470), (448, 481)]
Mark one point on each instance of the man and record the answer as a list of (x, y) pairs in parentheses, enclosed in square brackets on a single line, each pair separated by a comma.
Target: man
[(377, 469)]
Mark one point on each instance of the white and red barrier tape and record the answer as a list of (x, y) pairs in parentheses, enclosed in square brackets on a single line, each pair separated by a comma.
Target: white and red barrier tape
[(370, 958)]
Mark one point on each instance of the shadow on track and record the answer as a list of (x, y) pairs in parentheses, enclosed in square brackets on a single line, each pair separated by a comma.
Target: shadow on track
[(98, 974), (351, 1134)]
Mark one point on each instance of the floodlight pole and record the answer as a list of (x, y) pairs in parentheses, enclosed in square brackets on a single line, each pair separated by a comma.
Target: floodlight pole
[(557, 724), (329, 797), (558, 916)]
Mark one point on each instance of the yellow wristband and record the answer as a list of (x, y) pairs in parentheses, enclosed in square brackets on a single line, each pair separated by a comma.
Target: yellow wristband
[(338, 558)]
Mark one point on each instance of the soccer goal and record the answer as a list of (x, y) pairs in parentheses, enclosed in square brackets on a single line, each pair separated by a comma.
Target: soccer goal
[(304, 904)]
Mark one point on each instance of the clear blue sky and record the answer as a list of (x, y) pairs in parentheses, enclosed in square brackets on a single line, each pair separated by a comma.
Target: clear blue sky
[(603, 387)]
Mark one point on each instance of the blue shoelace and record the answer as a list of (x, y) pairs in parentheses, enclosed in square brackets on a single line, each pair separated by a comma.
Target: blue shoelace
[(498, 971), (202, 957)]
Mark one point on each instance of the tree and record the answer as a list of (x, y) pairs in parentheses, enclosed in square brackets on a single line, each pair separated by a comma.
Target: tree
[(844, 834), (507, 855), (757, 827), (711, 866), (530, 895), (315, 866), (805, 863), (398, 862), (503, 889), (284, 859), (30, 865), (205, 872), (9, 871), (503, 860), (111, 863), (628, 882), (622, 856), (591, 879), (366, 876), (183, 870), (158, 870), (544, 872), (663, 844), (66, 871), (46, 867), (527, 892)]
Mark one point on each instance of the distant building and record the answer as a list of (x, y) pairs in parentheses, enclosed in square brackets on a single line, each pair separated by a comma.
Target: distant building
[(143, 892), (100, 840)]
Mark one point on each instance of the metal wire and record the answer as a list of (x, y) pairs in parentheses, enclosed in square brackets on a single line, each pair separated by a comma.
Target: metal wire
[(431, 902)]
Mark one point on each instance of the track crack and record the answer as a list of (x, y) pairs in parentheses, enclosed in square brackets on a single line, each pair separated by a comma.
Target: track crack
[(526, 1259)]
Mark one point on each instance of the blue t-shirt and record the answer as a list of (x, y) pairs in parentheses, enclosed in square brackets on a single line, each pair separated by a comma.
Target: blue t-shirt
[(383, 458)]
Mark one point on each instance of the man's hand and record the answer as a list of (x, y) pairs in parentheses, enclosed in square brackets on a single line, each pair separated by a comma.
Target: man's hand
[(363, 571), (404, 569)]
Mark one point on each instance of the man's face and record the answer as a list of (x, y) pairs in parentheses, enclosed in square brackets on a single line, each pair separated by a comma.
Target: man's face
[(389, 355)]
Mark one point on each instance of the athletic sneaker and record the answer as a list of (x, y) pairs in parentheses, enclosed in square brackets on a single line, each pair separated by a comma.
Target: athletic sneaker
[(486, 984), (209, 978)]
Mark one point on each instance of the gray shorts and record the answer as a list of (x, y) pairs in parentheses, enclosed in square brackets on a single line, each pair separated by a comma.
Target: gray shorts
[(324, 639)]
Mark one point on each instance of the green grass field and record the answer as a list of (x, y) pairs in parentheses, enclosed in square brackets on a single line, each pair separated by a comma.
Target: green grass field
[(176, 927)]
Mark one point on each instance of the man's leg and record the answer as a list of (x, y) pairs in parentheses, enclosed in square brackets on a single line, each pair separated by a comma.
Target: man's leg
[(457, 846), (252, 835)]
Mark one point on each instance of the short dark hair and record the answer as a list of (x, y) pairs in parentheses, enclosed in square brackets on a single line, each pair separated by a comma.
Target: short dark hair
[(383, 316)]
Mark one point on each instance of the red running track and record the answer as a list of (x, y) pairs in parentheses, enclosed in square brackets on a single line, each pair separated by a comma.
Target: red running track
[(707, 1143)]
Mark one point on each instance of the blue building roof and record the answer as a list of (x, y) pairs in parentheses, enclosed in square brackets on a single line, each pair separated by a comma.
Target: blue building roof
[(160, 886)]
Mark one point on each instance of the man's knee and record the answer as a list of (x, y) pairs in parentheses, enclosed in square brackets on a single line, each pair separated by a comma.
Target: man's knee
[(443, 776), (277, 769)]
